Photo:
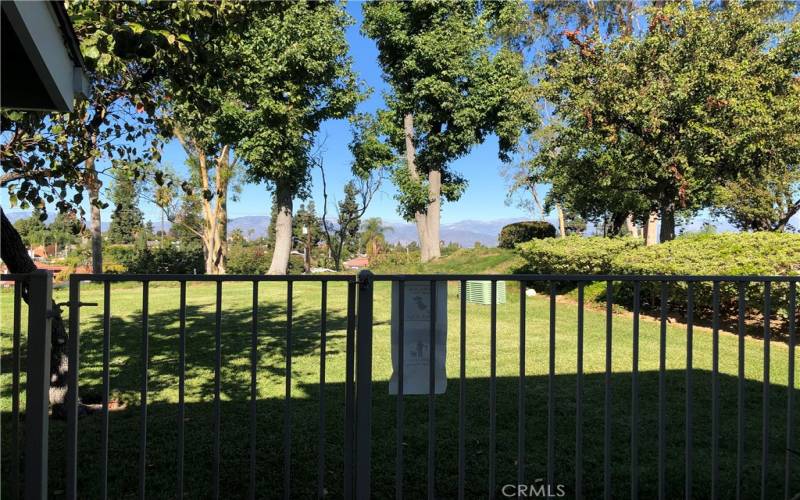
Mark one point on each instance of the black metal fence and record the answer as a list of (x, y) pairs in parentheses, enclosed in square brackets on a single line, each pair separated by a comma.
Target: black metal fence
[(358, 425)]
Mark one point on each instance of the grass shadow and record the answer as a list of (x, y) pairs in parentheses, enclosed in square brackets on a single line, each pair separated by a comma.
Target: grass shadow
[(305, 411)]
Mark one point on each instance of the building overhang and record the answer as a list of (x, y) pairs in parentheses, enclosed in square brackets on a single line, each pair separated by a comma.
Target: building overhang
[(42, 68)]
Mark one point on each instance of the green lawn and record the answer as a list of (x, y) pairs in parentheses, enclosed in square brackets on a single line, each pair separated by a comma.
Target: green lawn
[(237, 299)]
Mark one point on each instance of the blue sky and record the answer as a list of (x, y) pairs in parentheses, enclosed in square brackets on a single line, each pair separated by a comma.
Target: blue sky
[(484, 198)]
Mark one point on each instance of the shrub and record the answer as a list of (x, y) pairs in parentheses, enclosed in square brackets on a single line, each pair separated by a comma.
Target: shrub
[(248, 260), (255, 259), (120, 256), (114, 268), (167, 260), (574, 254), (520, 232), (737, 254)]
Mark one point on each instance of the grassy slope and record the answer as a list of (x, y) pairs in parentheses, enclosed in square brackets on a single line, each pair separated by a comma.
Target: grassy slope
[(463, 261), (126, 368)]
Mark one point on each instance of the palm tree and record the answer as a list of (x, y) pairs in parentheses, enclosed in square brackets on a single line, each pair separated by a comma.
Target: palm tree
[(373, 236)]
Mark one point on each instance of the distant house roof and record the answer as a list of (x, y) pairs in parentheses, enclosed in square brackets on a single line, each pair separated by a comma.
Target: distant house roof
[(43, 66), (357, 263)]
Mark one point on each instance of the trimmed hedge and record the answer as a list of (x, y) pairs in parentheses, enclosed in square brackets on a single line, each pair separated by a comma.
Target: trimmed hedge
[(738, 254), (574, 254), (756, 254), (520, 232)]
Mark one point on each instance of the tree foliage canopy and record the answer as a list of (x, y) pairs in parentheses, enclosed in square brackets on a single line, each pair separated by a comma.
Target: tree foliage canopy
[(657, 120), (454, 67), (295, 72), (126, 47)]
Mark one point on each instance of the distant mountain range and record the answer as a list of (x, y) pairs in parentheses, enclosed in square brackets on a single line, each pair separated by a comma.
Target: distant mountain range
[(465, 232)]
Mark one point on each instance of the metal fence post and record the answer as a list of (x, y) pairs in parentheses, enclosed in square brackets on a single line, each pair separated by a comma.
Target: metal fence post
[(40, 290), (364, 385)]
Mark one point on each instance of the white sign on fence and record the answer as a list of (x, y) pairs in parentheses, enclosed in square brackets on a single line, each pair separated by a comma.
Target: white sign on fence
[(416, 337)]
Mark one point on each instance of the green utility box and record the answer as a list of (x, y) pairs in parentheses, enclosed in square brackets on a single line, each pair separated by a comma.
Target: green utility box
[(480, 292)]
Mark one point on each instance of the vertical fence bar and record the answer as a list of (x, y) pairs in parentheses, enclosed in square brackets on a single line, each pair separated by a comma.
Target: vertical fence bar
[(637, 291), (662, 396), (765, 423), (401, 327), (431, 398), (181, 384), (287, 410), (521, 402), (715, 395), (607, 401), (106, 389), (254, 388), (462, 393), (349, 393), (790, 393), (579, 400), (493, 393), (217, 390), (143, 394), (37, 385), (740, 395), (688, 454), (15, 341), (551, 398), (73, 351), (323, 340), (364, 384)]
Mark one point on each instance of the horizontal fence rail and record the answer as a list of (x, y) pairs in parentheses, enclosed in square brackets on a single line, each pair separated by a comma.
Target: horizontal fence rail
[(557, 422)]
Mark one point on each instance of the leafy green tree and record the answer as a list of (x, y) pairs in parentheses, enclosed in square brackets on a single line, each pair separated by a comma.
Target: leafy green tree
[(64, 230), (32, 230), (349, 219), (286, 95), (373, 237), (237, 237), (306, 217), (342, 236), (455, 76), (205, 91), (273, 219), (127, 220), (655, 121), (125, 47), (764, 203), (307, 231), (52, 158), (187, 222)]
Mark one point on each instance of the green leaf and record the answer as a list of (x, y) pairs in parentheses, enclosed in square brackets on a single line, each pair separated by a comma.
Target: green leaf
[(136, 27)]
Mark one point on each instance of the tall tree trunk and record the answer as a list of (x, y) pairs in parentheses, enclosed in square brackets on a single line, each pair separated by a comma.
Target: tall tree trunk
[(617, 222), (283, 231), (16, 258), (650, 236), (210, 248), (434, 214), (215, 218), (427, 228), (562, 227), (222, 231), (96, 222), (667, 222), (630, 226)]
